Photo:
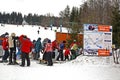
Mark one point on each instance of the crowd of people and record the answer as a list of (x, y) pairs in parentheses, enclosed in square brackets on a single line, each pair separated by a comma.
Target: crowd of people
[(25, 46), (21, 47), (11, 43)]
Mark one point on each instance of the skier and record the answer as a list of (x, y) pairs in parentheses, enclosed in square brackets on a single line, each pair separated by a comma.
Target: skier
[(38, 31), (33, 49)]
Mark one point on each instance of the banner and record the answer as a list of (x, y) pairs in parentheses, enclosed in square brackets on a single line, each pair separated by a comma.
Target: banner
[(97, 39)]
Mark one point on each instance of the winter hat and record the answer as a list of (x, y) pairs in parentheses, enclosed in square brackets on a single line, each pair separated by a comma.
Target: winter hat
[(64, 41), (6, 33), (12, 34), (49, 41), (39, 38), (25, 36)]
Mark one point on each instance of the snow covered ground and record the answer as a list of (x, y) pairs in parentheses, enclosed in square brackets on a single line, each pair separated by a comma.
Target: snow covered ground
[(82, 68)]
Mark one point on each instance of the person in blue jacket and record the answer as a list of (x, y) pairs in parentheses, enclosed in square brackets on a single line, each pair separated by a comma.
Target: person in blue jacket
[(61, 48), (38, 48)]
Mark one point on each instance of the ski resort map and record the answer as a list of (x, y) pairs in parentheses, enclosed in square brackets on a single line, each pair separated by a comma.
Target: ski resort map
[(97, 39)]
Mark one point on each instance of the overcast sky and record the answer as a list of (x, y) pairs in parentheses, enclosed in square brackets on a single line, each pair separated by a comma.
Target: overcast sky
[(37, 6)]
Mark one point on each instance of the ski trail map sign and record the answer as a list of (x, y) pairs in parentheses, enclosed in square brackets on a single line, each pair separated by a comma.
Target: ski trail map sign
[(97, 40)]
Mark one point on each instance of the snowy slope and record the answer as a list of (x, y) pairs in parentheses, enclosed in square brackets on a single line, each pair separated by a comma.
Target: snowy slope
[(82, 68), (30, 31)]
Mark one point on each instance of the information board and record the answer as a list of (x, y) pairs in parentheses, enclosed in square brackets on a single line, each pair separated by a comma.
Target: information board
[(97, 39)]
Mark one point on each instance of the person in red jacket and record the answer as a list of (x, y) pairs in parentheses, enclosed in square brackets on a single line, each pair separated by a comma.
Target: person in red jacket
[(5, 47), (48, 50), (26, 47), (54, 47), (67, 53)]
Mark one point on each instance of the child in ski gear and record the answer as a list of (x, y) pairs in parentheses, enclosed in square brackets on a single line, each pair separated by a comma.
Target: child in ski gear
[(67, 53)]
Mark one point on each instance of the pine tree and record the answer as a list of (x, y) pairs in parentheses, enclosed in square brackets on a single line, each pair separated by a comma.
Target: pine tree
[(116, 25), (19, 18)]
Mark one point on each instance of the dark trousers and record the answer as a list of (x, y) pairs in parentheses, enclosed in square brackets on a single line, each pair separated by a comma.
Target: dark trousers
[(49, 58), (73, 53), (25, 56), (53, 54), (60, 55), (37, 55), (12, 55), (6, 55), (66, 57), (45, 56)]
